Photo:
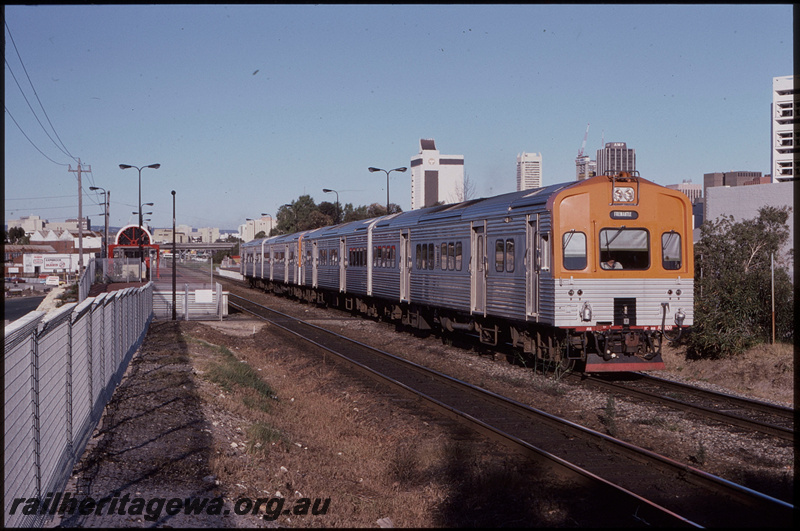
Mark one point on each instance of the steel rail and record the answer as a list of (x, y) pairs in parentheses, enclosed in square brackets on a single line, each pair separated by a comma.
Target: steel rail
[(720, 412), (738, 496)]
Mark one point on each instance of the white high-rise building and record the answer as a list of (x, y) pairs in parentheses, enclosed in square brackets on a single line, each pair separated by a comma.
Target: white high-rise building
[(784, 129), (435, 178), (529, 171)]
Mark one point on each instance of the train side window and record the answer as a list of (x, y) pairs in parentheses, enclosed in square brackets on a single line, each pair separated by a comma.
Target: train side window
[(499, 256), (510, 256), (574, 247), (444, 256), (671, 250), (544, 251), (418, 262), (431, 256), (392, 257), (459, 259), (451, 256)]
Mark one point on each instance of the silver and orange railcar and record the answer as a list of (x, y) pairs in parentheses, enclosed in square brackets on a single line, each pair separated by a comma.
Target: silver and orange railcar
[(592, 273)]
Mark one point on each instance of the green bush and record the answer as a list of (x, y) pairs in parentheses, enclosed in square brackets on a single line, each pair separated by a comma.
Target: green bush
[(733, 284)]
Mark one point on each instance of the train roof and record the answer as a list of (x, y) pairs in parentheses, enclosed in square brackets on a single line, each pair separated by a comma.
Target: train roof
[(466, 211)]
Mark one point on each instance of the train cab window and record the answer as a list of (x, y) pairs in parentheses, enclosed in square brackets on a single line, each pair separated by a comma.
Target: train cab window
[(671, 250), (623, 248), (574, 246), (459, 259)]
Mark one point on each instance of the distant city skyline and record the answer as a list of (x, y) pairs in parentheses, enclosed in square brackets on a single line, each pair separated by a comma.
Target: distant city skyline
[(248, 107)]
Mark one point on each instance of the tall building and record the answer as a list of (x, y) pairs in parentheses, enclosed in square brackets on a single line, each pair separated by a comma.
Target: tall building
[(434, 177), (784, 129), (692, 191), (529, 171), (616, 157), (585, 168), (728, 178)]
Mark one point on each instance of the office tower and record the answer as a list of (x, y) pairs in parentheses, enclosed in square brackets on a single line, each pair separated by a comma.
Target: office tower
[(435, 178), (529, 171)]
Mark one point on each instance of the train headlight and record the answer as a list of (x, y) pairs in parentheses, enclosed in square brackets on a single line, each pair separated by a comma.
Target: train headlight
[(586, 312), (679, 317), (623, 194)]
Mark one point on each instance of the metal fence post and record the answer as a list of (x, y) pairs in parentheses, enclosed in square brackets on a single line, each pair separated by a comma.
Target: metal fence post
[(37, 439), (68, 386)]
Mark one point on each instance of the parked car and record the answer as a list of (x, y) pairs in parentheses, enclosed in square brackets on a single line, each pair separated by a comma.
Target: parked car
[(13, 280)]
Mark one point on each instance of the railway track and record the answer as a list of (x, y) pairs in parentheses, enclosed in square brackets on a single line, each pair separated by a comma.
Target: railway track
[(645, 486), (746, 413)]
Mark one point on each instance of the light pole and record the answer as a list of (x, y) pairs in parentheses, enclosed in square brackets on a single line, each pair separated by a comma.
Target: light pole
[(387, 172), (155, 167), (327, 191), (107, 204), (174, 262), (294, 211)]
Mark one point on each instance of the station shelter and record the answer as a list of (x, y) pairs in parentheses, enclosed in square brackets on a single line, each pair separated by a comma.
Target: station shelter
[(134, 248)]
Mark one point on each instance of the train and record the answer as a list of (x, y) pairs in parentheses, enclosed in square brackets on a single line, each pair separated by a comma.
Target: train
[(593, 275)]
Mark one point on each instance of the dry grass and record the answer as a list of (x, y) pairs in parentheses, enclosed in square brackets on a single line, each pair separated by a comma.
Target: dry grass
[(765, 371), (324, 435)]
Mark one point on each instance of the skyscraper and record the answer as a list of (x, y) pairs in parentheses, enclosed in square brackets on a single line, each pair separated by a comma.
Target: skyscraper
[(435, 178), (616, 157), (529, 171), (784, 129)]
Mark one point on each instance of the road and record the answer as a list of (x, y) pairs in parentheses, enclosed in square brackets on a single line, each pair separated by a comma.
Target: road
[(16, 307)]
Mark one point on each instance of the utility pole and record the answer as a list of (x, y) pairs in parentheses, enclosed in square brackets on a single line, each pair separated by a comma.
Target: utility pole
[(80, 213)]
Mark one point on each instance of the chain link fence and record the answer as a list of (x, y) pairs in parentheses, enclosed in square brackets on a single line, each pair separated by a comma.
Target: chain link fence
[(61, 369)]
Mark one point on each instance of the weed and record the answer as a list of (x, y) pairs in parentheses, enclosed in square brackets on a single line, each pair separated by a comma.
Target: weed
[(610, 417), (261, 436)]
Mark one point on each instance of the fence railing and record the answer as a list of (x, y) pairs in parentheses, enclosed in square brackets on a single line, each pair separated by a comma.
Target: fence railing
[(193, 301), (61, 369)]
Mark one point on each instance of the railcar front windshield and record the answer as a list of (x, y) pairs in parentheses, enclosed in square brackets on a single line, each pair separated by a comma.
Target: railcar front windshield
[(624, 248)]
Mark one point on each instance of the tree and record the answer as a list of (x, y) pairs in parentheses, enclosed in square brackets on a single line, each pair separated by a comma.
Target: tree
[(465, 190), (16, 235), (733, 291)]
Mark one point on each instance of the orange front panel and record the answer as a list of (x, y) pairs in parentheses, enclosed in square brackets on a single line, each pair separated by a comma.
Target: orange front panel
[(587, 208)]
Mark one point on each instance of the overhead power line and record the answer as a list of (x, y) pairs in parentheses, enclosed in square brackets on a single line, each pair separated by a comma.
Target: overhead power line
[(62, 147)]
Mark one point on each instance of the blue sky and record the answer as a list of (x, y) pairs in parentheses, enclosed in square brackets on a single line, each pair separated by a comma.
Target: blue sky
[(248, 107)]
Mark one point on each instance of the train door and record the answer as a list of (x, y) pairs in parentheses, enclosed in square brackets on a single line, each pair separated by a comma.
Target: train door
[(298, 270), (342, 265), (532, 268), (478, 268), (405, 265), (314, 263), (287, 258)]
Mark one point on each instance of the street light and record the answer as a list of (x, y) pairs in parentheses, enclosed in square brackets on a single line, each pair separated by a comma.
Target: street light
[(174, 256), (107, 204), (125, 167), (327, 191), (294, 211), (401, 169)]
